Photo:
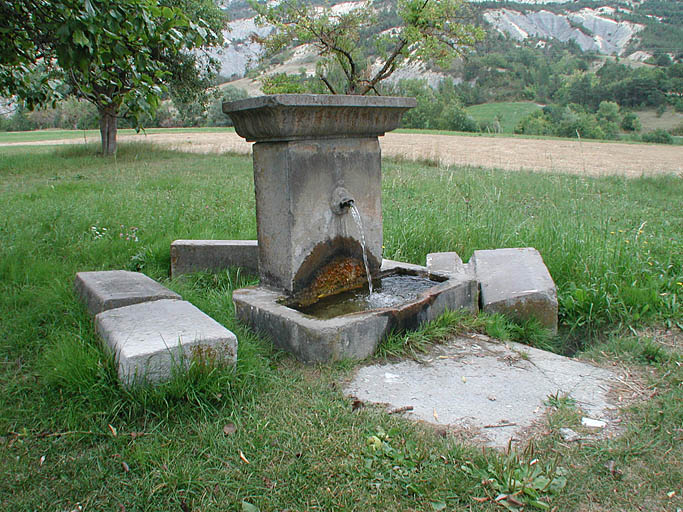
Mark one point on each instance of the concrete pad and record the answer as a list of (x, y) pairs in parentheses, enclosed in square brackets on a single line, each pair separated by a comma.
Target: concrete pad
[(494, 390), (151, 338), (213, 255), (517, 283), (104, 290)]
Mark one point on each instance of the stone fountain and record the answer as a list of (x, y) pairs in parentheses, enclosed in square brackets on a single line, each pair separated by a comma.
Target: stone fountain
[(317, 161)]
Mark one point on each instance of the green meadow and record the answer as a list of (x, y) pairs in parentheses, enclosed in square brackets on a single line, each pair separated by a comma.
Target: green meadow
[(274, 434)]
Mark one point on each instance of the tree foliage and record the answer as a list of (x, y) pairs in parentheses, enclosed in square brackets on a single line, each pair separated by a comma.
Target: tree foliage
[(427, 30), (120, 56)]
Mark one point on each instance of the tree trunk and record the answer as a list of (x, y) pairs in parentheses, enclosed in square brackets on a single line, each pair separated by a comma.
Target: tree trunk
[(108, 127)]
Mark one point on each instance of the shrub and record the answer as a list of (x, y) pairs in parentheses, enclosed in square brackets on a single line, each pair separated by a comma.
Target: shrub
[(658, 136), (630, 122)]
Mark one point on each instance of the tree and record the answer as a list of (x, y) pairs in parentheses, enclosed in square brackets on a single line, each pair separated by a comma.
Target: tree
[(120, 56), (25, 53), (428, 30)]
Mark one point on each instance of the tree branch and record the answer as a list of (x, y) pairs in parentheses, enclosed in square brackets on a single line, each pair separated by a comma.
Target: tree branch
[(328, 84), (387, 69)]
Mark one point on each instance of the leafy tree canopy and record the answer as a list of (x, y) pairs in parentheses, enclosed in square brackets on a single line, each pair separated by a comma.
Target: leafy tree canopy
[(120, 56)]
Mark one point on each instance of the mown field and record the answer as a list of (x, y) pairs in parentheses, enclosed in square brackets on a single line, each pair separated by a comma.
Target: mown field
[(509, 114), (275, 434)]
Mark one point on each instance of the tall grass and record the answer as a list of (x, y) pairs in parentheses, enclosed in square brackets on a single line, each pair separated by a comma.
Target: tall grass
[(612, 245), (273, 433)]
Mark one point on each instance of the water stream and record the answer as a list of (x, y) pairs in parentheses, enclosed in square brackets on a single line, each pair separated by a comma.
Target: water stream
[(359, 222)]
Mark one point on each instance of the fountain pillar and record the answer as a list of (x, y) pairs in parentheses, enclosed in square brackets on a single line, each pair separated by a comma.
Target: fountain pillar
[(317, 157), (314, 154)]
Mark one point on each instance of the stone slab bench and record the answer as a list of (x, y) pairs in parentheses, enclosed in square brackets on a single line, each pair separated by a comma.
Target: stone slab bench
[(517, 283), (152, 339), (213, 255), (149, 328), (108, 289)]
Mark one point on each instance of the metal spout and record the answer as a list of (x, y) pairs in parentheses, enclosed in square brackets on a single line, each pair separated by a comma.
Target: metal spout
[(341, 201)]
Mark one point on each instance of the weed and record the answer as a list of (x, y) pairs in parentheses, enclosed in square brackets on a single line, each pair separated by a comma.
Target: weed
[(560, 401), (518, 480)]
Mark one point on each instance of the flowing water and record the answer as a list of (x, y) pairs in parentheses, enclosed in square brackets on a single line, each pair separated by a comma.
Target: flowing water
[(359, 222)]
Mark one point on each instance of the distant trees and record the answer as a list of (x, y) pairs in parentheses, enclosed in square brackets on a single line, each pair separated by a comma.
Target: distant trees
[(119, 56), (439, 109)]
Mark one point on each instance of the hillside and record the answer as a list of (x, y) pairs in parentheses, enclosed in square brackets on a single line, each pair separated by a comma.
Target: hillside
[(631, 30)]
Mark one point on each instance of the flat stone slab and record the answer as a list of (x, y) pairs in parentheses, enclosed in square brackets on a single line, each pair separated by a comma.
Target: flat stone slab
[(150, 339), (213, 255), (109, 289), (517, 283), (493, 391), (447, 263)]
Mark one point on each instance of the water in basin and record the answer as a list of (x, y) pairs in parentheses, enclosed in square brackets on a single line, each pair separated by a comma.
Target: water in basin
[(388, 291)]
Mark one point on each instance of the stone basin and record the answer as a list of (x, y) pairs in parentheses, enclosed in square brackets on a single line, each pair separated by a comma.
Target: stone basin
[(354, 335), (289, 117)]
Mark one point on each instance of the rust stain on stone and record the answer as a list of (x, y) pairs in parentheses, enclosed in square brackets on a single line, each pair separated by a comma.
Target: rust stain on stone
[(334, 266)]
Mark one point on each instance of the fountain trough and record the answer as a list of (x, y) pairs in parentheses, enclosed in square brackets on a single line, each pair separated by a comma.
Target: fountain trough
[(317, 180)]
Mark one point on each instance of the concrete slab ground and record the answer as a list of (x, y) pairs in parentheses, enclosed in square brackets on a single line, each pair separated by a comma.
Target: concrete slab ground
[(148, 339), (492, 390), (108, 289)]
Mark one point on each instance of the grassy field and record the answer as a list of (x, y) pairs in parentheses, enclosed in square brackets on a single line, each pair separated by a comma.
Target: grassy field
[(665, 121), (509, 113), (46, 135), (275, 434)]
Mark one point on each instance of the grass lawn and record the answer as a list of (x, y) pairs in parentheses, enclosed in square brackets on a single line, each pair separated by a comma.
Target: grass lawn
[(509, 113), (44, 135), (275, 434)]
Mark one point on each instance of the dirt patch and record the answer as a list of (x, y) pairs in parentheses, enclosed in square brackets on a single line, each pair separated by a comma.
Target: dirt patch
[(514, 154)]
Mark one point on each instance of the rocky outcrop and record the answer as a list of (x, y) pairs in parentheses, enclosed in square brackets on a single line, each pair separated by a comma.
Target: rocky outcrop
[(592, 29)]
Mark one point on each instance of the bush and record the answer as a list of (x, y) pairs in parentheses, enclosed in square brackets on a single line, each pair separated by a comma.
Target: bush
[(453, 117), (536, 123), (630, 122), (658, 136)]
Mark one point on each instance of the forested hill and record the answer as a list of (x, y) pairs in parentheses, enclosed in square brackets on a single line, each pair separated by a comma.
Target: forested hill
[(633, 31)]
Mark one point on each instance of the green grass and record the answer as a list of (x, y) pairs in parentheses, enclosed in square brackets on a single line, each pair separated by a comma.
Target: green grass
[(91, 135), (280, 435), (509, 113)]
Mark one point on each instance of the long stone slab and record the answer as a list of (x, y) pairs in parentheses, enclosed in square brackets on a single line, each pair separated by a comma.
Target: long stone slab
[(109, 289), (517, 283), (152, 339), (213, 255)]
